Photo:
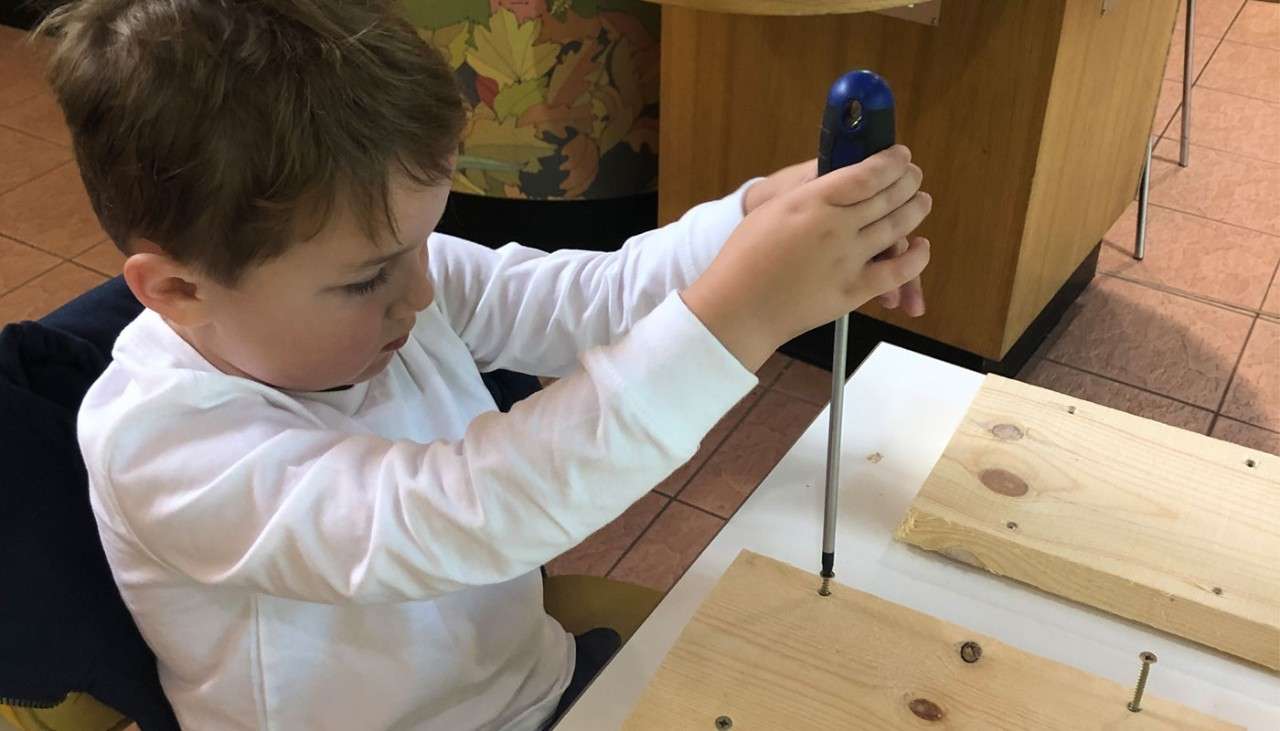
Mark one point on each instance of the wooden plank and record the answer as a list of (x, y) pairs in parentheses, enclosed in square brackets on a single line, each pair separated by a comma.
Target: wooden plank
[(1162, 526), (742, 96), (765, 650), (1106, 81)]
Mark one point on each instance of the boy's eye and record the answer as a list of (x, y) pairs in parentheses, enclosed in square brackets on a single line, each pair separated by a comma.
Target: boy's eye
[(369, 285)]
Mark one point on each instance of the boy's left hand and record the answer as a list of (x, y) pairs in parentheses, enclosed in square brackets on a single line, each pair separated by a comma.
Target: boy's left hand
[(910, 297)]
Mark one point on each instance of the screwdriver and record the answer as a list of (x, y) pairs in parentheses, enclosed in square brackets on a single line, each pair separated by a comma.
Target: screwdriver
[(857, 122)]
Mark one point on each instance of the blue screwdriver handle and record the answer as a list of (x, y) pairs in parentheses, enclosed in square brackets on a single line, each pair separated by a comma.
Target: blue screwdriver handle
[(857, 121)]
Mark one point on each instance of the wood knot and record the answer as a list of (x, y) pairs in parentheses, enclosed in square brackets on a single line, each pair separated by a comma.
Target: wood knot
[(926, 709), (1003, 482), (1006, 432)]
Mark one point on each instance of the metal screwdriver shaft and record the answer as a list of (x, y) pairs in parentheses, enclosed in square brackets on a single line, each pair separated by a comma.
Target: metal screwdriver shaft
[(834, 442)]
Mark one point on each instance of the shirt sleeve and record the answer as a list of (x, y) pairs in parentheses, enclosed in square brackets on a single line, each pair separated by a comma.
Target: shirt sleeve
[(529, 311), (217, 483)]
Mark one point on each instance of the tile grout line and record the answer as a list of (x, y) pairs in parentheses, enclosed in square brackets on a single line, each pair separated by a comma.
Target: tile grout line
[(1173, 160), (1217, 413), (33, 135), (1185, 294), (1203, 217), (1135, 387), (674, 498), (6, 292), (762, 479), (1235, 153), (1275, 274)]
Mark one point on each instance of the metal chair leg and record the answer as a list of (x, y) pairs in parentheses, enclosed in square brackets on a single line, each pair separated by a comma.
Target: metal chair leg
[(1188, 69), (1144, 187)]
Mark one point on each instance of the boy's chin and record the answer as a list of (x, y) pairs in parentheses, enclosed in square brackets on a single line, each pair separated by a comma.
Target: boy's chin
[(378, 365)]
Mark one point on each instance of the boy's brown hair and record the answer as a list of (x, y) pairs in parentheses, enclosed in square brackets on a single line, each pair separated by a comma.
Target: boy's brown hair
[(224, 130)]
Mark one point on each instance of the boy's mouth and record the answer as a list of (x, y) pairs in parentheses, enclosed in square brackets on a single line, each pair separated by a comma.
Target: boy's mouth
[(396, 344)]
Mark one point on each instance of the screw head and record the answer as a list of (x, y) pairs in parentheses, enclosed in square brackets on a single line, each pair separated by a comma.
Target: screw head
[(724, 723), (970, 652), (1147, 658)]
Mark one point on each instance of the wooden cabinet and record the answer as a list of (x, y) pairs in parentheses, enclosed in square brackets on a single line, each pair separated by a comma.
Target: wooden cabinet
[(1029, 118)]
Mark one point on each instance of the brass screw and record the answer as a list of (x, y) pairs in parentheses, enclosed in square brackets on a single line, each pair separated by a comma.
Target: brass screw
[(970, 652), (825, 589), (724, 723), (1148, 659)]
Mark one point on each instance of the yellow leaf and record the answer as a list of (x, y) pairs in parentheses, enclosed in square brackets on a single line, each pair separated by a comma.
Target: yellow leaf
[(450, 41), (514, 100), (569, 79), (463, 184), (506, 52), (505, 145)]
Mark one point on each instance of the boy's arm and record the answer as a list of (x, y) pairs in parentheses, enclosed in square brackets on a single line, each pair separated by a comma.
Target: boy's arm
[(529, 311), (223, 487)]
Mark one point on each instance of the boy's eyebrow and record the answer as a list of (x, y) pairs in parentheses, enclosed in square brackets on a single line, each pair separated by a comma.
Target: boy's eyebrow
[(375, 261)]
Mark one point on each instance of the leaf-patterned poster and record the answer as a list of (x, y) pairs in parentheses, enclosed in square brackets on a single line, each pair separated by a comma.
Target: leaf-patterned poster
[(562, 94)]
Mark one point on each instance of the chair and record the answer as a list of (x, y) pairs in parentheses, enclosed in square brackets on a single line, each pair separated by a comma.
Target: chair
[(1184, 150)]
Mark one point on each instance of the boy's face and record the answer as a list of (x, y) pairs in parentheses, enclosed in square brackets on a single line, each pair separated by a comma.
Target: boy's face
[(331, 311)]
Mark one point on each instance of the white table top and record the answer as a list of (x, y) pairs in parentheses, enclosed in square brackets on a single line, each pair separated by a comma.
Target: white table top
[(905, 407)]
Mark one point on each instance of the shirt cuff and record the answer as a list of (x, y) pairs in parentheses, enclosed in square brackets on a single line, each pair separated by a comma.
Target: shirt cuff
[(674, 370)]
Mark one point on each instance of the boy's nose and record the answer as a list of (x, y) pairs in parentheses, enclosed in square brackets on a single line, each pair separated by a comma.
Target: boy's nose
[(419, 293)]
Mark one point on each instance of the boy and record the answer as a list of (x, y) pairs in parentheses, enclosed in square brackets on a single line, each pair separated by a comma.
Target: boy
[(307, 499)]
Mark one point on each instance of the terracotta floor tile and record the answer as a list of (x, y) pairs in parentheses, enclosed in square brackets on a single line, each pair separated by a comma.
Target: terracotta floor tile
[(668, 548), (1217, 185), (1168, 105), (51, 212), (1117, 396), (596, 555), (1242, 69), (1247, 435), (678, 479), (39, 116), (772, 368), (750, 453), (806, 382), (1204, 46), (46, 293), (1208, 258), (1257, 25), (1159, 342), (21, 68), (1213, 17), (1272, 305), (1233, 123), (26, 157), (1255, 391), (20, 263), (103, 257)]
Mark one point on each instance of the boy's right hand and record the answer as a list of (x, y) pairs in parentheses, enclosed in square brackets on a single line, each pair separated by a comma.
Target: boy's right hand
[(808, 256)]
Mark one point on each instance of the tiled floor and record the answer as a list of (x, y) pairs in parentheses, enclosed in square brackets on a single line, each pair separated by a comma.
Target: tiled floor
[(1191, 336)]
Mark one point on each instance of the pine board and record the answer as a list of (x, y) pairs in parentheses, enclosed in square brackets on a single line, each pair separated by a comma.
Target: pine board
[(769, 653), (1155, 524)]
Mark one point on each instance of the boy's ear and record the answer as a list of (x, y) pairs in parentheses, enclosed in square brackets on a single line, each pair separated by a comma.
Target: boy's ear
[(171, 289)]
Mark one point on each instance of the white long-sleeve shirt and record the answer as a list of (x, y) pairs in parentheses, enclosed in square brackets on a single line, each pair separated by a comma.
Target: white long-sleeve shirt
[(367, 558)]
